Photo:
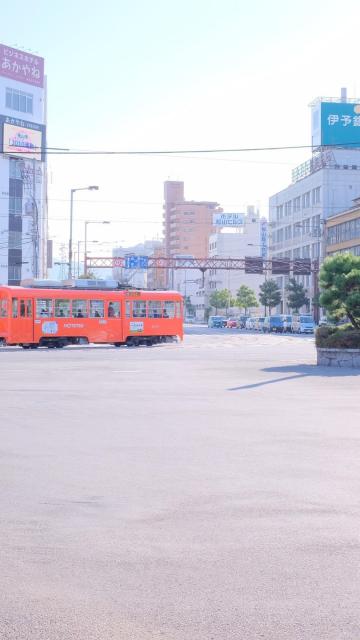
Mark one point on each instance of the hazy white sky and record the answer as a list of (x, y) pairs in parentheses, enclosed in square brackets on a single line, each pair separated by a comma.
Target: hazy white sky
[(160, 74)]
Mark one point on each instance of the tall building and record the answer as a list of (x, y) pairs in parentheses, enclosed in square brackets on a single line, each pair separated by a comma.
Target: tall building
[(23, 179), (187, 223), (321, 187)]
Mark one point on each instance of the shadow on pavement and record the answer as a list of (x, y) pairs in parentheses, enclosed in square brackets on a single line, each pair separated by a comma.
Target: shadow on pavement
[(300, 371)]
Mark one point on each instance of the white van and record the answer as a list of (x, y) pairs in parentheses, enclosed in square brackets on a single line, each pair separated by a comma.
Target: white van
[(302, 324)]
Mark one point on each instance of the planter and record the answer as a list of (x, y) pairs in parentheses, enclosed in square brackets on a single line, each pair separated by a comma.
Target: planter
[(349, 358)]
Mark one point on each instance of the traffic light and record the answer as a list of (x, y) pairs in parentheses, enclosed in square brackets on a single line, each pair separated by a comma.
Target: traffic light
[(254, 264), (280, 266), (302, 267)]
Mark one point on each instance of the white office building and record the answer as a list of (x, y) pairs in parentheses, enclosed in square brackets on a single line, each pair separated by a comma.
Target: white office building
[(250, 239), (321, 188), (23, 179)]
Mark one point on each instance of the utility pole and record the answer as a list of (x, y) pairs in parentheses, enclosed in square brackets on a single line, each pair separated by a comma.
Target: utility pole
[(35, 224)]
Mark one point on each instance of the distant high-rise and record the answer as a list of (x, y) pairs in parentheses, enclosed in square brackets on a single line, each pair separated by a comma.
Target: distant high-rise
[(187, 223), (23, 212)]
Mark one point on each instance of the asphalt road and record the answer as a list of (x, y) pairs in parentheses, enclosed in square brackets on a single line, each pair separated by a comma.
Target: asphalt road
[(206, 490)]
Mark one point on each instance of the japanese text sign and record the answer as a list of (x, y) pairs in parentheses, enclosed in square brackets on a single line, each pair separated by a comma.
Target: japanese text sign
[(21, 66), (340, 124), (228, 219), (22, 138)]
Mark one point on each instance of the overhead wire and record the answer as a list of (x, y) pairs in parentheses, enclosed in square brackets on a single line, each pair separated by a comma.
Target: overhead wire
[(153, 152)]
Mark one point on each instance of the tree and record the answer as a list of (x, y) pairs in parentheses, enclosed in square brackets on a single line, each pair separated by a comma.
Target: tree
[(270, 294), (296, 295), (340, 287), (90, 275), (245, 298), (220, 299)]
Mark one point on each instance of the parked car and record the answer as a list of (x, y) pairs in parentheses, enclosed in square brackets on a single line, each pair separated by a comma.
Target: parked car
[(217, 322), (232, 323), (302, 324), (259, 322), (250, 324), (273, 324), (242, 321)]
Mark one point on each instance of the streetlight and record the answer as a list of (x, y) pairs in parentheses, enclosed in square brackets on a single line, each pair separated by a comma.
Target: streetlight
[(91, 188), (85, 247)]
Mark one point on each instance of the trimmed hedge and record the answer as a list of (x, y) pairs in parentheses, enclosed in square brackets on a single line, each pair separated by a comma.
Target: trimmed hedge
[(345, 337)]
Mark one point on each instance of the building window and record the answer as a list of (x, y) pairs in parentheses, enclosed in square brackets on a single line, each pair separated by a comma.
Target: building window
[(306, 200), (279, 212), (343, 232), (288, 232), (18, 100), (316, 195), (16, 169), (296, 204), (15, 239), (306, 226), (288, 208), (296, 230)]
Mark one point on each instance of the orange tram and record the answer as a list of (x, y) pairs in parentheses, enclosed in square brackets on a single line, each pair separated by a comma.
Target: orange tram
[(54, 316)]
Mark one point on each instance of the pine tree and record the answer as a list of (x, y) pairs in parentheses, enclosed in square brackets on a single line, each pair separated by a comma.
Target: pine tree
[(296, 295), (270, 295)]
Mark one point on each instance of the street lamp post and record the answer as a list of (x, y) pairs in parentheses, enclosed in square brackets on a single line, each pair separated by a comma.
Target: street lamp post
[(91, 188), (85, 241)]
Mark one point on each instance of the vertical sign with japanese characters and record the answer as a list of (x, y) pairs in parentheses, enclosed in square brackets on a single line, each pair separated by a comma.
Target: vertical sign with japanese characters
[(21, 66), (340, 124)]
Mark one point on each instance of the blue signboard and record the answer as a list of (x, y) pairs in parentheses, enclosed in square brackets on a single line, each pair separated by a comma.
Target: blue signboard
[(136, 262), (340, 124)]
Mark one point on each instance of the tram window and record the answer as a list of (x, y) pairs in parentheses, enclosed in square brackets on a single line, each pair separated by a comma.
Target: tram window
[(43, 308), (28, 308), (154, 307), (96, 308), (3, 308), (114, 310), (79, 309), (178, 309), (139, 309), (62, 308), (22, 309), (128, 309), (169, 309), (14, 307)]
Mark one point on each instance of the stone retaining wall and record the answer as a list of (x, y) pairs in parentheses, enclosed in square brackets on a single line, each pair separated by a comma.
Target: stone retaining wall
[(339, 357)]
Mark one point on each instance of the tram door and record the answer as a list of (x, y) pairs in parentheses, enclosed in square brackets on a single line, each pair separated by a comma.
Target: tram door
[(114, 322), (22, 328)]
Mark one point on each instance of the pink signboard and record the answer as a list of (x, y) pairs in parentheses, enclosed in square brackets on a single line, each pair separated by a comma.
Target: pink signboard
[(21, 66)]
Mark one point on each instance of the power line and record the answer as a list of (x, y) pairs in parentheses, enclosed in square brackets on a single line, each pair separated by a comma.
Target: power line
[(154, 152)]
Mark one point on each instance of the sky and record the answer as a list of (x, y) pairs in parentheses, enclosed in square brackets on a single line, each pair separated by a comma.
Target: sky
[(132, 75)]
